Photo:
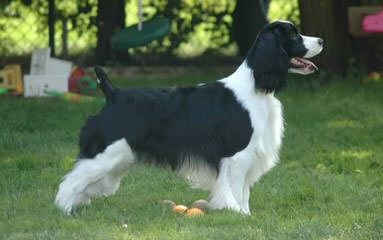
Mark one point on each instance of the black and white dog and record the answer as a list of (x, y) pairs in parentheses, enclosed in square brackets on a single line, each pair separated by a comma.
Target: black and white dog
[(221, 136)]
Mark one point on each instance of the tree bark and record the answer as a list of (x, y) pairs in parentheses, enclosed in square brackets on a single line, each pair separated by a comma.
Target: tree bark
[(51, 25), (64, 38), (110, 17), (329, 19), (249, 17)]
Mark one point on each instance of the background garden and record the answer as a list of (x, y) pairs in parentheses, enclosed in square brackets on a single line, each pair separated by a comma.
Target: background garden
[(328, 185)]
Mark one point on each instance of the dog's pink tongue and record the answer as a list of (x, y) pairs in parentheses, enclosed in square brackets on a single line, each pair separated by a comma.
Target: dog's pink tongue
[(307, 63)]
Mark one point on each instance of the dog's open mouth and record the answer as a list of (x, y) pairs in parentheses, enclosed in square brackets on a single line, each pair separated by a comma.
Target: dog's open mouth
[(302, 66)]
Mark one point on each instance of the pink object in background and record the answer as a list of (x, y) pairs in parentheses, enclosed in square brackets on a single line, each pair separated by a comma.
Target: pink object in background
[(373, 23)]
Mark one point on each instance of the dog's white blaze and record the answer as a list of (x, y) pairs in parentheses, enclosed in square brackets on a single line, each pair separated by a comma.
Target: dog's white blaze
[(244, 168), (99, 176), (312, 45)]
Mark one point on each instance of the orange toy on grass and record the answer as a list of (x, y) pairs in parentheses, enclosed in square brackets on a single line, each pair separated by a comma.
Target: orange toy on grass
[(180, 209), (197, 208), (194, 212)]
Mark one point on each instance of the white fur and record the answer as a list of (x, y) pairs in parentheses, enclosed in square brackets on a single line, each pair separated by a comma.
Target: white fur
[(312, 45), (240, 171), (198, 173), (222, 194), (99, 176)]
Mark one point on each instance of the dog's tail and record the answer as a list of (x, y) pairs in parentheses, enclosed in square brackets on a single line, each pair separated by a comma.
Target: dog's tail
[(105, 85)]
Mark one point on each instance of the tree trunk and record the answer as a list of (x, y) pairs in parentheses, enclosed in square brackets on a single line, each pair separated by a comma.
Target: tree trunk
[(329, 19), (110, 17), (249, 17), (64, 38), (51, 25)]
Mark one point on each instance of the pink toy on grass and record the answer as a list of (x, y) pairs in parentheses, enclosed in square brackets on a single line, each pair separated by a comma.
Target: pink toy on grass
[(373, 23)]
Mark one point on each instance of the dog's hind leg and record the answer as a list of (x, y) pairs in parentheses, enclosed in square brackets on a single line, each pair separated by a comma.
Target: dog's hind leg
[(99, 176)]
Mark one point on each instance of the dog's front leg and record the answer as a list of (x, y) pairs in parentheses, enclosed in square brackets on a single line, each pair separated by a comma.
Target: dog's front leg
[(222, 195), (245, 199), (239, 169)]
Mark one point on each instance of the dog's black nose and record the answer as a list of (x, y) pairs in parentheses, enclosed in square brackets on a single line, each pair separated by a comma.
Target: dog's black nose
[(321, 41)]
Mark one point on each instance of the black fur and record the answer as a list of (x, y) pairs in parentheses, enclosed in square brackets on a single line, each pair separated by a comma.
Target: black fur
[(170, 124), (105, 85), (269, 56)]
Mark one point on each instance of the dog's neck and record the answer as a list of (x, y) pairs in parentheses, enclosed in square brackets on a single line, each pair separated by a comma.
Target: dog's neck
[(242, 81)]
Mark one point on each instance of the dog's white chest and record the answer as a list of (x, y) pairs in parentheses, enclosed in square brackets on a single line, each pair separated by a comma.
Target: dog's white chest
[(265, 112), (262, 152), (266, 119)]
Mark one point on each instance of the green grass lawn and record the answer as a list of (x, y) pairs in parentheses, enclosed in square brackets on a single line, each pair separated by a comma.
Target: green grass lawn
[(328, 185)]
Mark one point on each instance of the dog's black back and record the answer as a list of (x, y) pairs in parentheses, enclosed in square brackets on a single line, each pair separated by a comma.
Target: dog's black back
[(170, 124)]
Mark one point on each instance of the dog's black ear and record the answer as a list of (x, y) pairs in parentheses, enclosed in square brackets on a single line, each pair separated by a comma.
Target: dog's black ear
[(268, 61)]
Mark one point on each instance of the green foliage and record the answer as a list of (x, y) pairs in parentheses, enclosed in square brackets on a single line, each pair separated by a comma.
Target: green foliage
[(22, 29), (196, 26), (82, 14), (285, 10), (81, 17), (328, 185), (24, 26)]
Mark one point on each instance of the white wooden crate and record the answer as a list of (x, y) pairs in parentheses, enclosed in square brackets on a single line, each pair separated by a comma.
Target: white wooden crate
[(39, 61), (58, 67), (35, 85), (46, 74)]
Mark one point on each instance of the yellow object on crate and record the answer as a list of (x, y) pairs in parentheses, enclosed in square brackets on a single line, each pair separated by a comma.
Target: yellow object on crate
[(10, 78)]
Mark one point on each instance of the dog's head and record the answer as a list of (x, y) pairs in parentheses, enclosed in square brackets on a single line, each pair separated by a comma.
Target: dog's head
[(279, 49)]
